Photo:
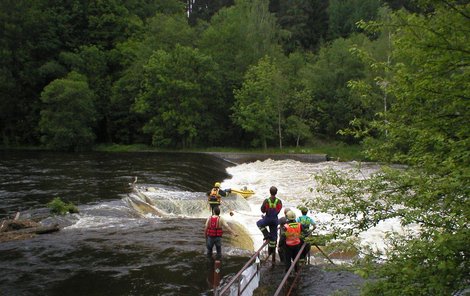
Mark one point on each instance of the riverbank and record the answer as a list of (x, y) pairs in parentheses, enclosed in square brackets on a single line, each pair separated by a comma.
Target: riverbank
[(245, 157), (321, 152)]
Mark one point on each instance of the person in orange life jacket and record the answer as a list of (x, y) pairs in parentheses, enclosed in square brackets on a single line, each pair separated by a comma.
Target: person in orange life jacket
[(213, 232), (308, 225), (215, 195), (270, 208), (281, 249), (293, 237)]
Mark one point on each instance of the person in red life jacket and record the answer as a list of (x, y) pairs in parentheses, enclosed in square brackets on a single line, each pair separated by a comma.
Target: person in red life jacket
[(213, 231), (293, 237), (270, 208), (214, 197)]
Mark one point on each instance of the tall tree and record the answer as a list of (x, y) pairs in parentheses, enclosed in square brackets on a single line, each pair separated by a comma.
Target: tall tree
[(259, 102), (238, 37), (179, 88), (427, 130), (327, 80), (162, 31), (305, 20), (205, 9), (68, 114), (344, 14)]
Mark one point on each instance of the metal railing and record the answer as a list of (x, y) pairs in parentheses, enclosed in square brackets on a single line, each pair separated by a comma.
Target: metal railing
[(286, 276), (237, 278)]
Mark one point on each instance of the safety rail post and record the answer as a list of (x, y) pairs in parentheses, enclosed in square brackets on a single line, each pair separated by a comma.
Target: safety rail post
[(237, 276), (284, 280)]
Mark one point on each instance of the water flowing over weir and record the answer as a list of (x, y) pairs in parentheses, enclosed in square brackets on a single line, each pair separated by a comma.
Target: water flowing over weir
[(161, 202), (125, 244)]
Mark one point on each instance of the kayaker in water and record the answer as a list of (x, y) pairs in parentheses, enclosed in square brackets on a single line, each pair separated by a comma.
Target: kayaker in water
[(213, 231), (214, 197), (270, 208)]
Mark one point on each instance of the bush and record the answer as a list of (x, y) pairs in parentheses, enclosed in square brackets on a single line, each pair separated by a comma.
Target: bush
[(59, 207)]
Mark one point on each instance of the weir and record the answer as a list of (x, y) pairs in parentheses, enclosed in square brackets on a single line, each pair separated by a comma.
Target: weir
[(166, 203)]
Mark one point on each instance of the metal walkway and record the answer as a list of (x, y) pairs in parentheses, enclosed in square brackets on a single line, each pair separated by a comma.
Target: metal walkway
[(236, 280)]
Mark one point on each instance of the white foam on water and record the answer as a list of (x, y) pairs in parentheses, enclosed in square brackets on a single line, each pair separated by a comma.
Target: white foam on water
[(294, 181)]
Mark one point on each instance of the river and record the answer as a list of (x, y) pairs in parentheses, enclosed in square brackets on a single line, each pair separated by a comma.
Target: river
[(110, 249)]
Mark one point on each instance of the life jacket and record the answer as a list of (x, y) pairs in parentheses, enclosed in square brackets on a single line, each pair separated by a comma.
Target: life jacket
[(272, 207), (292, 233), (214, 196), (213, 228)]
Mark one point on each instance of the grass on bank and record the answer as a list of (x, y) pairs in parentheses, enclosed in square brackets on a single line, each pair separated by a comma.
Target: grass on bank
[(335, 151)]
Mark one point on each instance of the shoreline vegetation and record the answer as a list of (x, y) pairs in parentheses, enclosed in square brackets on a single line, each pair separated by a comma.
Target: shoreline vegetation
[(322, 152)]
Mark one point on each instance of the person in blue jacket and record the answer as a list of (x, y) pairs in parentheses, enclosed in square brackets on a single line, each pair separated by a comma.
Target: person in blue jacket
[(308, 225), (270, 207)]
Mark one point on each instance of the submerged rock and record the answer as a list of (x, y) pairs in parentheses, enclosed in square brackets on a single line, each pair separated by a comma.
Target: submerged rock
[(16, 229)]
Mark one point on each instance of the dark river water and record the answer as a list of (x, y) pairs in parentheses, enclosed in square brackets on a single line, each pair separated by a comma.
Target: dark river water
[(109, 248)]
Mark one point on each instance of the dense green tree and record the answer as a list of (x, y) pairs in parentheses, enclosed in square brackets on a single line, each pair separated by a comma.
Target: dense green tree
[(68, 114), (300, 121), (427, 131), (179, 88), (30, 36), (344, 14), (327, 79), (259, 103), (205, 9), (238, 36), (163, 31), (305, 20)]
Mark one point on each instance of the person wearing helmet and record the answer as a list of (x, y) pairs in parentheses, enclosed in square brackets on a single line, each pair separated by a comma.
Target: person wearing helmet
[(270, 207), (293, 238), (214, 197), (308, 225)]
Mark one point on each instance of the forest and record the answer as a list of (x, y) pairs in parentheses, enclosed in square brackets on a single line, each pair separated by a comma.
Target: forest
[(187, 74), (390, 75)]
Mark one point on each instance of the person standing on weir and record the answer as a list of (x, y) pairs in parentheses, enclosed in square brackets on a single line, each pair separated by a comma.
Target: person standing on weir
[(270, 208), (214, 197), (213, 231)]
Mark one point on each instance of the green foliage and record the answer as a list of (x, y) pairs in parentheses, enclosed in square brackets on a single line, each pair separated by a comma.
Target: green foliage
[(427, 130), (179, 88), (259, 102), (326, 80), (306, 22), (344, 15), (59, 207), (238, 37), (68, 114)]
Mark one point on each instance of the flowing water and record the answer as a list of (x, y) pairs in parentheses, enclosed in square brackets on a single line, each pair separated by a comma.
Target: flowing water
[(113, 247)]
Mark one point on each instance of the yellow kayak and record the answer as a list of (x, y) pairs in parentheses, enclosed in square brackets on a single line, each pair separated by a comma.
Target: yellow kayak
[(246, 193)]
